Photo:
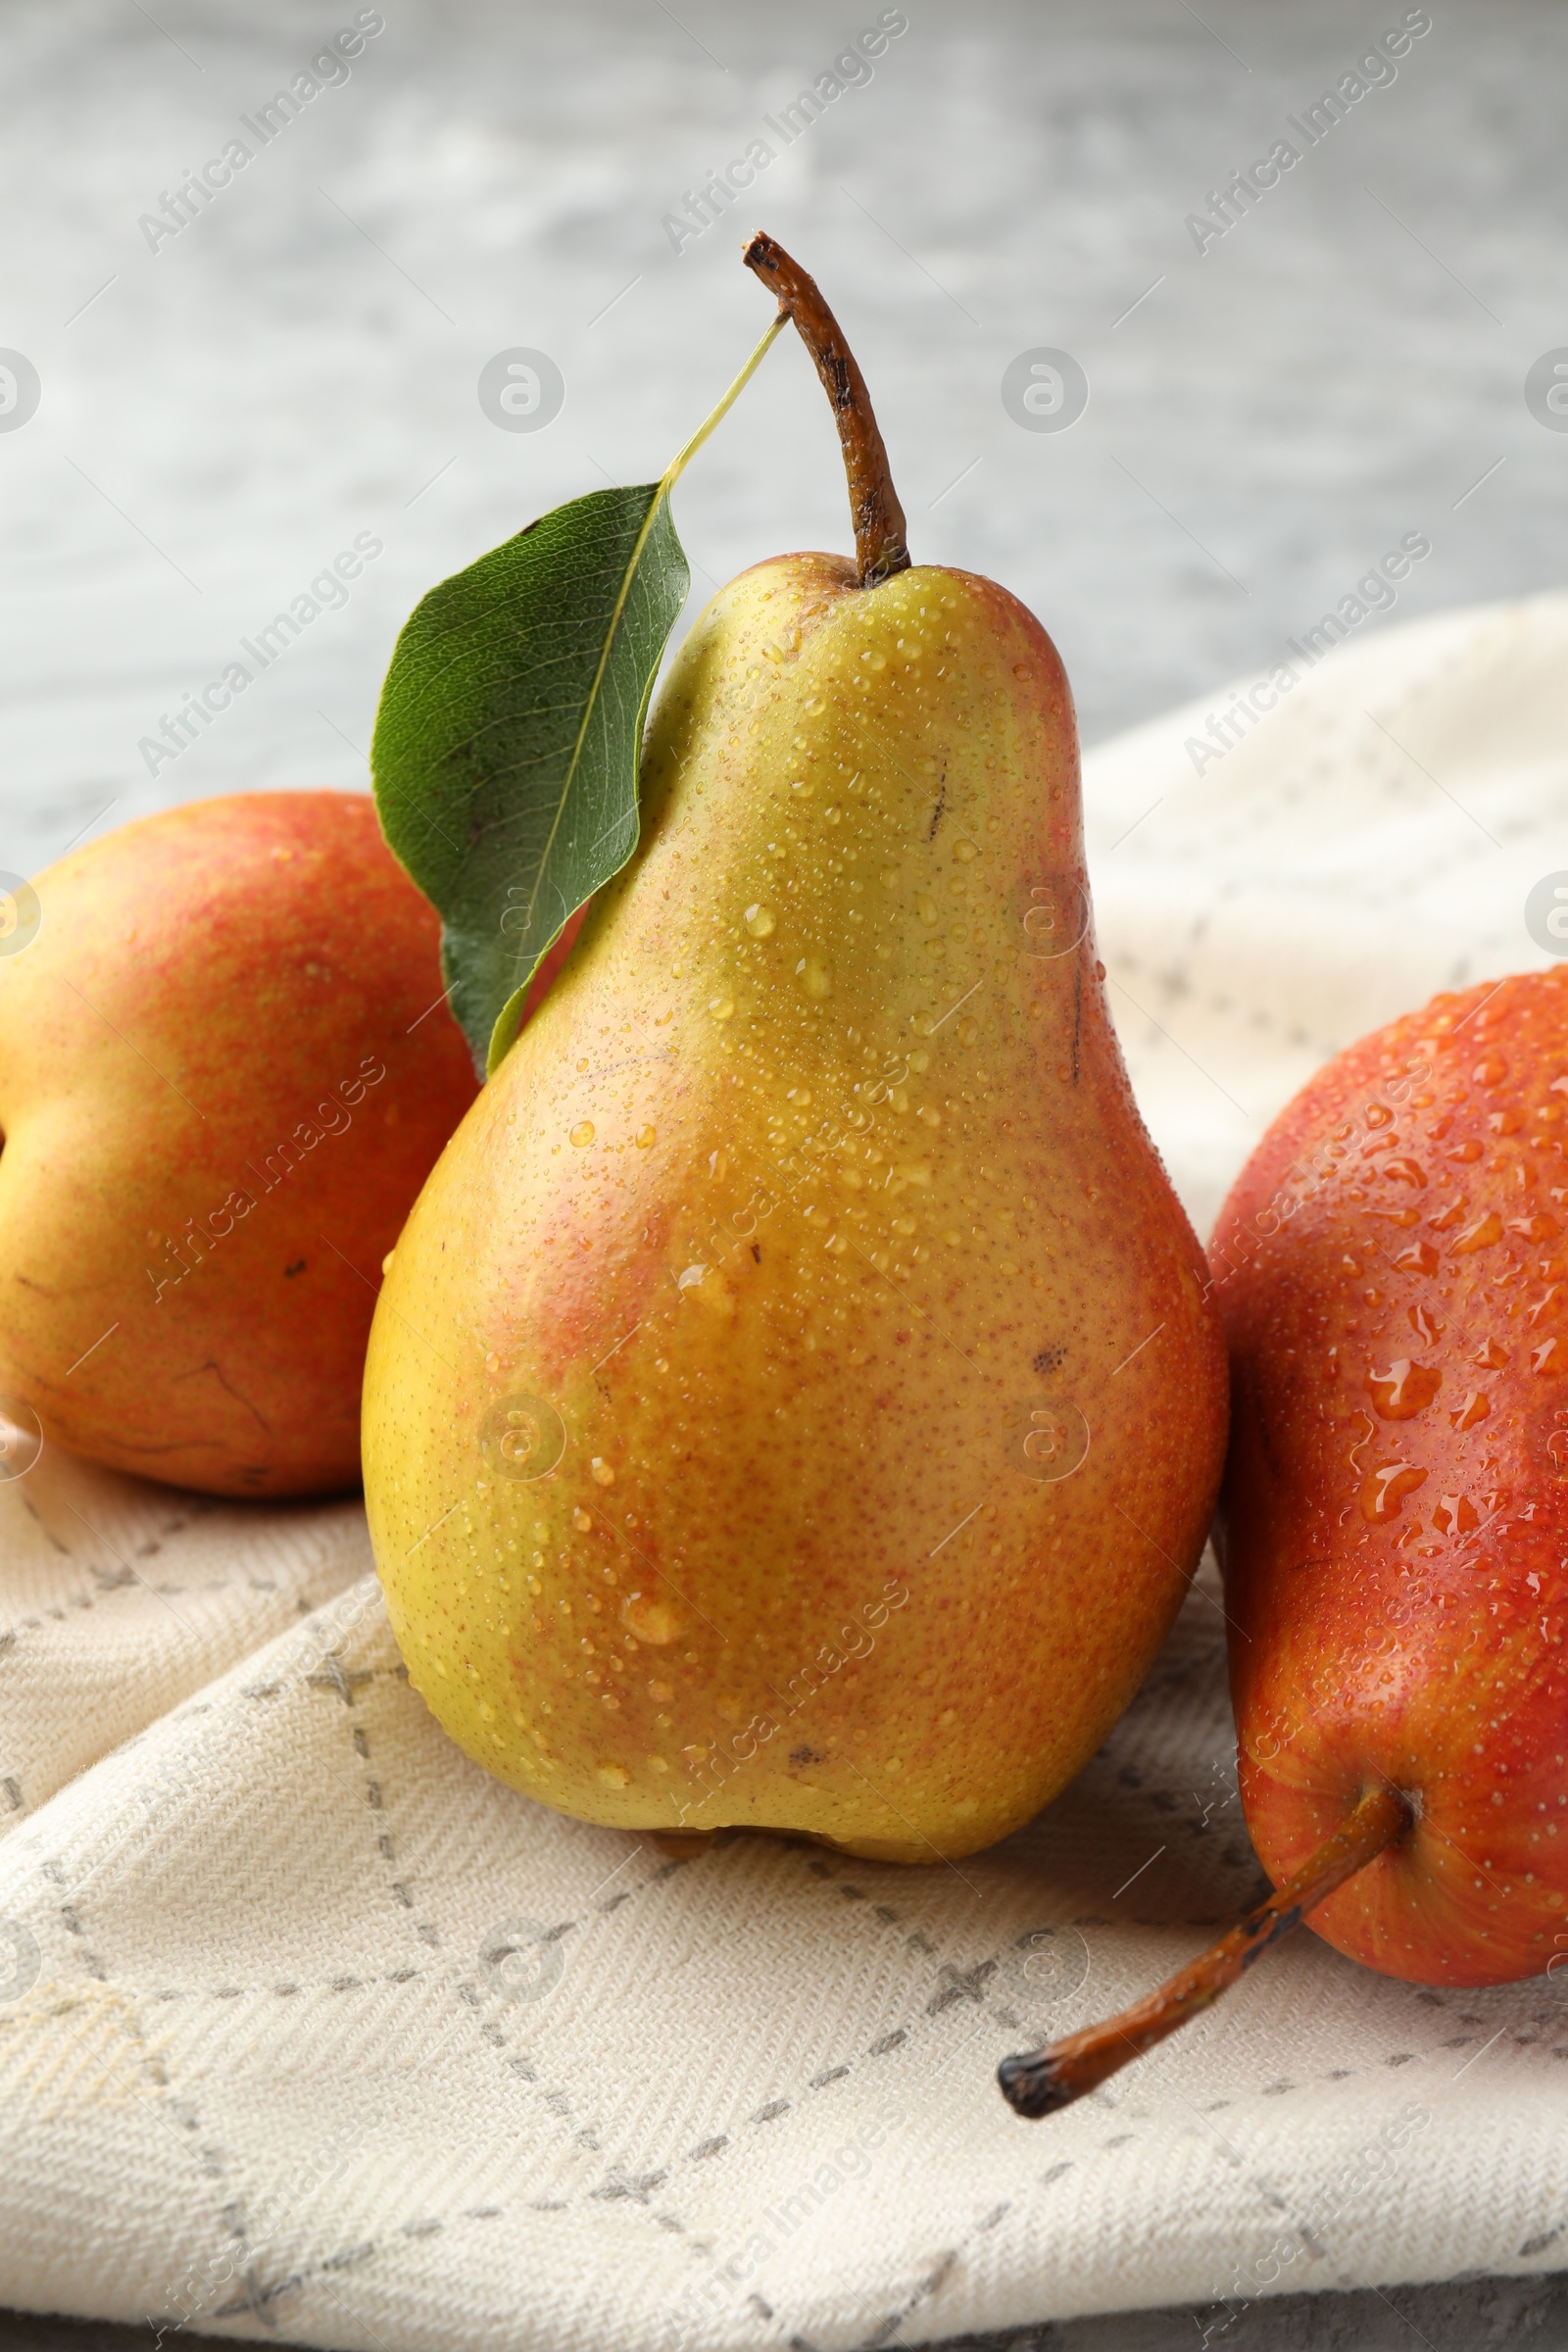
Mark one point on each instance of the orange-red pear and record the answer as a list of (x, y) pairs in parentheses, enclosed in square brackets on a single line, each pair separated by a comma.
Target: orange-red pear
[(226, 1069), (1392, 1271)]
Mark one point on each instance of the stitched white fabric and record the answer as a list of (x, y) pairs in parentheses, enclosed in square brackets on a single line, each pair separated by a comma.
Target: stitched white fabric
[(315, 2031)]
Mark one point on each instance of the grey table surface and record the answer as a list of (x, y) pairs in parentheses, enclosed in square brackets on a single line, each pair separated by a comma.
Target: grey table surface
[(222, 408), (1513, 2315)]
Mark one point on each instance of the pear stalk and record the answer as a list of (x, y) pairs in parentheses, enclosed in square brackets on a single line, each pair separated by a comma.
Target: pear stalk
[(1037, 2083), (880, 545)]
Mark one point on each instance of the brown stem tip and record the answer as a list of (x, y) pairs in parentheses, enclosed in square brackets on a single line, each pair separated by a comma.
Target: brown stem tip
[(879, 527), (1038, 2081)]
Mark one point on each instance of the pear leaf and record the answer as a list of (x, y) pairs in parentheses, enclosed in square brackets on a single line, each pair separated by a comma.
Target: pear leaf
[(507, 743)]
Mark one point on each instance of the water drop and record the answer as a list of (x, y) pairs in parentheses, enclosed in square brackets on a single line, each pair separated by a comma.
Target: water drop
[(927, 909), (645, 1137), (652, 1621), (832, 814), (969, 1030), (602, 1473), (582, 1521), (1382, 1496), (759, 921), (708, 1288), (613, 1776), (721, 1008), (1404, 1391), (814, 976), (583, 1133)]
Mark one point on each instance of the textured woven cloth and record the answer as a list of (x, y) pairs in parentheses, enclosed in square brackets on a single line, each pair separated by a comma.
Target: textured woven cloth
[(313, 2031)]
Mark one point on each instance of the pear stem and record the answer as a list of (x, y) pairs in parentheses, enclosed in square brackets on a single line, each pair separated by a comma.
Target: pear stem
[(1038, 2081), (879, 527)]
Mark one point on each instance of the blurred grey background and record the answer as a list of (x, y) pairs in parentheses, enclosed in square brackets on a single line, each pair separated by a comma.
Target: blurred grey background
[(224, 403), (222, 408)]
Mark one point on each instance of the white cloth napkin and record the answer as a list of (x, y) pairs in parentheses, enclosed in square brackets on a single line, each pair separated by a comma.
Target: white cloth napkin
[(315, 2032)]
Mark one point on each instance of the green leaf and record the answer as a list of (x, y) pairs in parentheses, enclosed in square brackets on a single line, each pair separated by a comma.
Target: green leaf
[(507, 743), (507, 739)]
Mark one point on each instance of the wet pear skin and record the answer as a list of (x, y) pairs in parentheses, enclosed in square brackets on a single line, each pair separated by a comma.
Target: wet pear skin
[(808, 1223), (1392, 1272)]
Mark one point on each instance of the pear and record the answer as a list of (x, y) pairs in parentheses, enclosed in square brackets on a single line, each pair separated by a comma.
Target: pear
[(792, 1401), (1392, 1269), (225, 1071), (1393, 1276)]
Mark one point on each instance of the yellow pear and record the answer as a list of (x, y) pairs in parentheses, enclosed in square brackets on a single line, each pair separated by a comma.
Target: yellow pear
[(794, 1399)]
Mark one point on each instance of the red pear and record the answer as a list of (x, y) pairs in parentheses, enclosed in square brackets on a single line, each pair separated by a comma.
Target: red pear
[(225, 1071), (1391, 1272)]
